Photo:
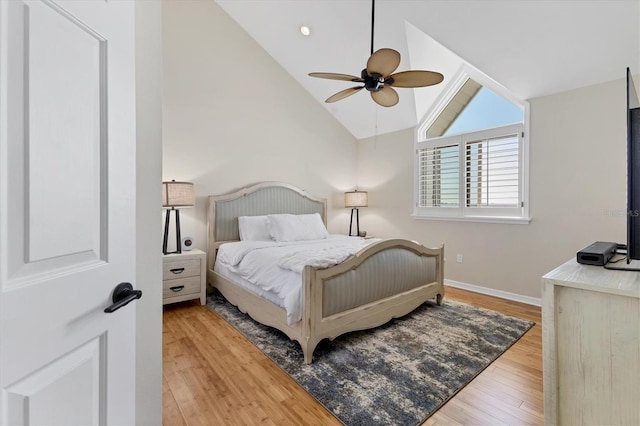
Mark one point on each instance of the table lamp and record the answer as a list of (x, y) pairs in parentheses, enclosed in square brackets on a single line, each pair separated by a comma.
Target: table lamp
[(355, 199), (175, 195)]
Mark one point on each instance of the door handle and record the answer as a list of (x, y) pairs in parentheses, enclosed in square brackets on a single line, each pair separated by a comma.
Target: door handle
[(122, 295)]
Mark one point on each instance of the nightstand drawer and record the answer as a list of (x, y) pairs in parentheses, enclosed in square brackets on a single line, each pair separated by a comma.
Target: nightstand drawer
[(181, 286), (184, 276), (180, 269)]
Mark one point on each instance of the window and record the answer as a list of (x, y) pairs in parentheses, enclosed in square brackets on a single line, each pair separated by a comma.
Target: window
[(476, 175)]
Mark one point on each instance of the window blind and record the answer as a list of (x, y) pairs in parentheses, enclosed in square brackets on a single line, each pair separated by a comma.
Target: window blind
[(492, 172), (439, 183)]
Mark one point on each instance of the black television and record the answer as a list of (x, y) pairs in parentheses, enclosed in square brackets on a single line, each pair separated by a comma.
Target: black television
[(633, 171)]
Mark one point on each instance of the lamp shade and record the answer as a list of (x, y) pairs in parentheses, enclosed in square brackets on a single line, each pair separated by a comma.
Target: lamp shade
[(356, 199), (177, 194)]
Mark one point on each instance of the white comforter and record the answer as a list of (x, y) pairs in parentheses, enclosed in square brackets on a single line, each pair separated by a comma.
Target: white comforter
[(276, 266)]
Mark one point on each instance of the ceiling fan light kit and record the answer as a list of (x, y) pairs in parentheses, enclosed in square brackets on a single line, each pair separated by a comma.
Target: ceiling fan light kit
[(378, 76)]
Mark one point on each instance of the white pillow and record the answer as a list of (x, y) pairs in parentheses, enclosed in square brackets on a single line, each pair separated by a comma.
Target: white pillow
[(301, 227), (254, 228)]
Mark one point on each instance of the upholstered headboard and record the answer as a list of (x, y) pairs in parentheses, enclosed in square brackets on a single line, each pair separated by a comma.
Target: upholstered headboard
[(259, 199)]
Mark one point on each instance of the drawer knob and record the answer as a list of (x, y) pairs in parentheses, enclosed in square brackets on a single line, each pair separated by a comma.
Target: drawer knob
[(177, 270), (176, 288)]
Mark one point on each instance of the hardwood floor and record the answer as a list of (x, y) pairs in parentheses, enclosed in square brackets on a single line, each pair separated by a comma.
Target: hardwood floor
[(212, 375)]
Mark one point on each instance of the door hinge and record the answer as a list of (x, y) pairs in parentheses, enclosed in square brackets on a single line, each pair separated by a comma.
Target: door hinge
[(521, 203)]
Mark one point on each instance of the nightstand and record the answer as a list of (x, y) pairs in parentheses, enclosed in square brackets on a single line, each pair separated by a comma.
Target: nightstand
[(184, 277)]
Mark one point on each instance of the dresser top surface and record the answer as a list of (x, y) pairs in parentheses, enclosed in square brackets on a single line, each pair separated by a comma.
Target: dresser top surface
[(596, 278)]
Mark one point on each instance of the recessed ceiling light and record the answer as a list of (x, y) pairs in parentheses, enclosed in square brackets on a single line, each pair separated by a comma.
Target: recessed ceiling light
[(304, 30)]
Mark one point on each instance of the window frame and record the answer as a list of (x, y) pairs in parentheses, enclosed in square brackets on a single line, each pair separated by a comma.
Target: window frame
[(462, 213)]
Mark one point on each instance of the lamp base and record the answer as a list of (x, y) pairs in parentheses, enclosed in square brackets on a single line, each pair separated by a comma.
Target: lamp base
[(166, 232), (357, 234)]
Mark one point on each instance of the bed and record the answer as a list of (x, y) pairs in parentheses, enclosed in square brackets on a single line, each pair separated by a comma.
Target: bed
[(385, 279)]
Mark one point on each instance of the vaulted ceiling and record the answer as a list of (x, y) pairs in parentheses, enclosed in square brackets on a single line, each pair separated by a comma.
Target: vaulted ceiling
[(530, 47)]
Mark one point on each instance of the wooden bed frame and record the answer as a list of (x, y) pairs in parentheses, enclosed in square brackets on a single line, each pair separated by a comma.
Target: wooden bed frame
[(315, 325)]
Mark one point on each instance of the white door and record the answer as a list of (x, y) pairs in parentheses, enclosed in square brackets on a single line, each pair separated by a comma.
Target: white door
[(67, 211)]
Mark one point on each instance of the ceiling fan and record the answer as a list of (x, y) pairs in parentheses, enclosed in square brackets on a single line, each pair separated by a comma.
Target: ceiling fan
[(378, 78)]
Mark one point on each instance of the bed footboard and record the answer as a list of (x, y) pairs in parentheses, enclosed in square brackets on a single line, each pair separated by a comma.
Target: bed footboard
[(386, 280)]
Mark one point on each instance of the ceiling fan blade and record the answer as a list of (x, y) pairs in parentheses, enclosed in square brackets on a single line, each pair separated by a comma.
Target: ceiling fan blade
[(386, 96), (343, 94), (335, 76), (383, 62), (415, 79)]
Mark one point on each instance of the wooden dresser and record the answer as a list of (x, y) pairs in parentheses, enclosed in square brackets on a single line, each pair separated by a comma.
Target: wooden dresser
[(184, 277), (591, 346)]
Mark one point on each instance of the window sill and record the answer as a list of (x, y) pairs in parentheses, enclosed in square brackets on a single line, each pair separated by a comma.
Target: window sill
[(480, 219)]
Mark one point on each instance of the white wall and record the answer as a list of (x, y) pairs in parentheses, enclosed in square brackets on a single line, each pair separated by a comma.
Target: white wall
[(578, 184), (148, 202), (232, 116)]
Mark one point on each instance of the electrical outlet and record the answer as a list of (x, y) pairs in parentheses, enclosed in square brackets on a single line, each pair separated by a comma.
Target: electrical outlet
[(459, 258)]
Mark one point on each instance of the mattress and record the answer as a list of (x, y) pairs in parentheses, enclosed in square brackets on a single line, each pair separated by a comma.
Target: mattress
[(226, 272), (273, 269)]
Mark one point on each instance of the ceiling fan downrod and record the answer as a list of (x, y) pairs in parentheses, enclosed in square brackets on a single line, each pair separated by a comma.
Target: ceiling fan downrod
[(373, 18), (372, 82)]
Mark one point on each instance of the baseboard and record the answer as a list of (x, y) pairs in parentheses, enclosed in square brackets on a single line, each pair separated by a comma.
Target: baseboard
[(496, 293)]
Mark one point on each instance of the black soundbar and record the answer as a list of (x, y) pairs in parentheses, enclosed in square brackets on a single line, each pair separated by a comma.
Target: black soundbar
[(598, 253)]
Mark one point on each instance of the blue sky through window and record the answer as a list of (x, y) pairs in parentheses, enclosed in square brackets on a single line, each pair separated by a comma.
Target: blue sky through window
[(486, 110)]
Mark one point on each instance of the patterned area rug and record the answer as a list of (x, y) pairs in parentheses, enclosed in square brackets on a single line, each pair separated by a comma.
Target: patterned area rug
[(397, 374)]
